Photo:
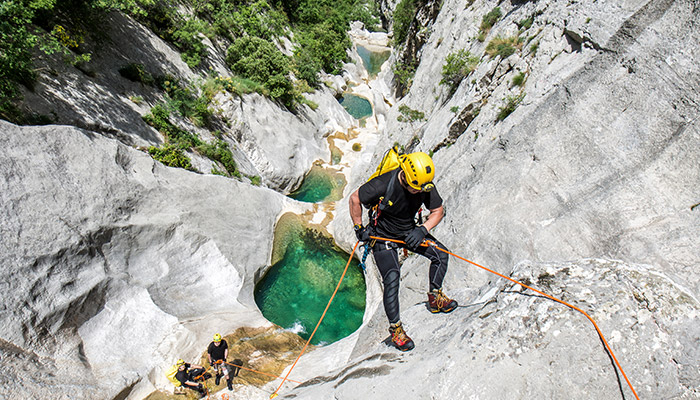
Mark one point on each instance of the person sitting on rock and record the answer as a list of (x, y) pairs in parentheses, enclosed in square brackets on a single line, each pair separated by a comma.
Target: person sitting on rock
[(399, 195), (189, 375), (217, 352)]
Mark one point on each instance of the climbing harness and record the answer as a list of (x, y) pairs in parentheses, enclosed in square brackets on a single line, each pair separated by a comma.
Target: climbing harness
[(433, 244)]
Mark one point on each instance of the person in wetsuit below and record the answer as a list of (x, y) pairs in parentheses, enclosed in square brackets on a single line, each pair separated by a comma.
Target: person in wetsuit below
[(399, 195), (188, 374)]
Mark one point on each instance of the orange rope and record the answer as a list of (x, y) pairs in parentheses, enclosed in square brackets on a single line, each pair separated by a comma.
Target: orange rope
[(431, 243), (352, 253), (260, 372), (211, 367)]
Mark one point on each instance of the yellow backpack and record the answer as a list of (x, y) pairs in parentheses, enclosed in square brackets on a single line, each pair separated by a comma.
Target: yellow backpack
[(390, 162), (170, 373)]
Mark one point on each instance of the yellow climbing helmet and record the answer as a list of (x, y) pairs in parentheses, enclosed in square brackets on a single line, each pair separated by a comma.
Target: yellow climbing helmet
[(419, 170), (180, 362), (217, 338)]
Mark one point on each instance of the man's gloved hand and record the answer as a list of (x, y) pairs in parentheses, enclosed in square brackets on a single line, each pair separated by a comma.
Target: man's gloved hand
[(416, 236), (362, 232)]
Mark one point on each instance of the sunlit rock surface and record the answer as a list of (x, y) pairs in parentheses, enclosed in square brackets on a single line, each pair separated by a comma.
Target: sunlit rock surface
[(115, 265)]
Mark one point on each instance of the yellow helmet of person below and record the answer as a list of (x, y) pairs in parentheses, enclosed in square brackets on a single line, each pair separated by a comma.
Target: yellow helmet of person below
[(419, 170), (217, 338), (180, 362)]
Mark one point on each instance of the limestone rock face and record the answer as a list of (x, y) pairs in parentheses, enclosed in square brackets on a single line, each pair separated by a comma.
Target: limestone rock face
[(114, 265), (598, 162), (507, 342), (279, 145), (113, 262)]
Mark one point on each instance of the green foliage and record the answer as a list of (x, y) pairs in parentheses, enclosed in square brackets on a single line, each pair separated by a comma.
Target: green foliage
[(404, 73), (235, 19), (186, 38), (259, 60), (234, 85), (303, 100), (17, 41), (454, 109), (457, 66), (367, 12), (159, 118), (403, 16), (185, 101), (172, 156), (510, 106), (321, 46), (504, 47), (488, 21), (219, 151), (519, 79), (409, 115), (255, 180), (525, 23), (534, 47), (136, 73)]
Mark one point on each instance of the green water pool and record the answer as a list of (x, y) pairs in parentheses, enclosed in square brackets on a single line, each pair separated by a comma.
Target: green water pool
[(373, 60), (357, 106), (320, 185), (296, 289)]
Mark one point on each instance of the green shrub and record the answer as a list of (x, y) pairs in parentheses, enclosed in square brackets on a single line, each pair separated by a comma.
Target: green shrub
[(534, 47), (255, 180), (504, 47), (172, 156), (404, 13), (525, 23), (176, 136), (457, 66), (321, 45), (454, 109), (219, 151), (409, 115), (186, 37), (136, 73), (519, 79), (367, 12), (510, 106), (234, 85), (185, 101), (488, 21), (404, 74), (259, 60)]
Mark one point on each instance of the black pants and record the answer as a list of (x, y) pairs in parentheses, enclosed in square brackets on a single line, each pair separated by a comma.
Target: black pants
[(387, 259)]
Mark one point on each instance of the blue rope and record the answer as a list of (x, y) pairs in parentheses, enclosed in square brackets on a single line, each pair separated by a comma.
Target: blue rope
[(364, 257)]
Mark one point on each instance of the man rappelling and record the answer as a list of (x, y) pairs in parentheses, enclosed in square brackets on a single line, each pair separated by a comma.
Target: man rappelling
[(394, 198)]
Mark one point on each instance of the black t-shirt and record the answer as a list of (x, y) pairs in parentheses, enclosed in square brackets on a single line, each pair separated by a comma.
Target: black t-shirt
[(397, 220), (217, 352), (183, 375)]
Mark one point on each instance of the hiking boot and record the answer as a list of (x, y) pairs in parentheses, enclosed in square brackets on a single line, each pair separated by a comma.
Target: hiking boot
[(438, 302), (218, 379), (230, 385), (399, 338)]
